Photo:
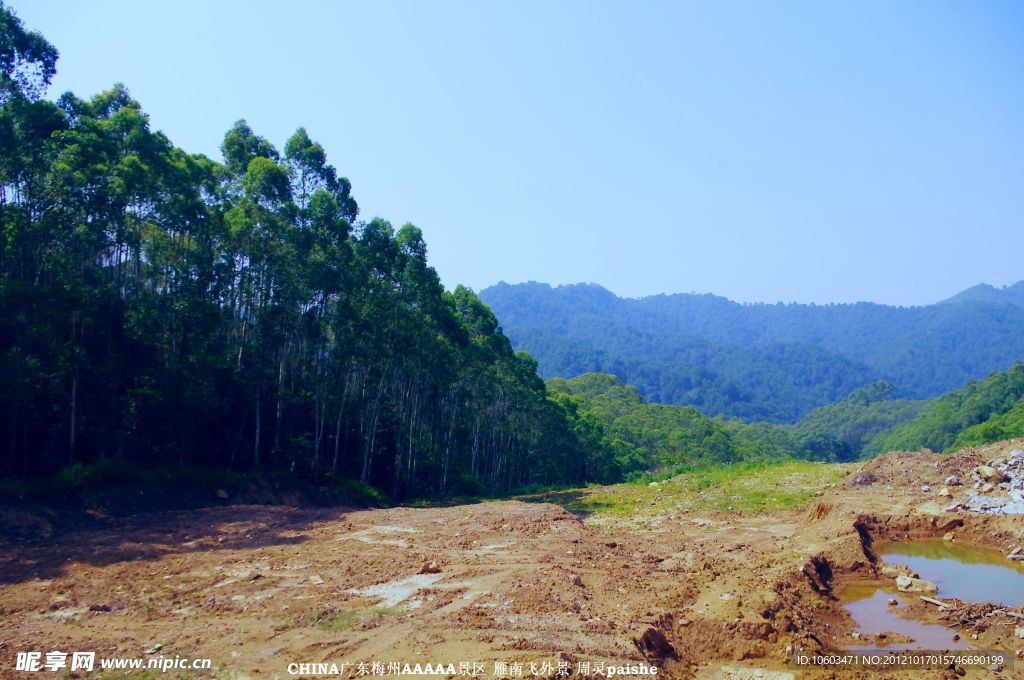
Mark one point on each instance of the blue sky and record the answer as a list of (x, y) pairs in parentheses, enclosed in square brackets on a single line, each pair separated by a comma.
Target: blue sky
[(765, 151)]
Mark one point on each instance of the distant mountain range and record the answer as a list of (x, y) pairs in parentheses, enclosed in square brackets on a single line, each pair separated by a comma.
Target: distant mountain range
[(772, 362)]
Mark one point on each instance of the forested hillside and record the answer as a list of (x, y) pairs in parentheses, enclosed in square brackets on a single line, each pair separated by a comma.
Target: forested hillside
[(979, 413), (761, 361), (842, 430), (652, 436), (162, 308)]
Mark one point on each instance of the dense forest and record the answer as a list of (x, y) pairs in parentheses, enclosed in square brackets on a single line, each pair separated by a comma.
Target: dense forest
[(765, 362), (655, 436), (647, 436), (842, 430), (981, 412), (162, 308)]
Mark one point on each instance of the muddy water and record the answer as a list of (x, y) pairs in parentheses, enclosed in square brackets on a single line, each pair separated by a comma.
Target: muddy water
[(969, 574), (868, 605)]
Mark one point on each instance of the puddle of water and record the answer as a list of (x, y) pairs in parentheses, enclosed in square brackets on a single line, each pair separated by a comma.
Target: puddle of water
[(969, 574), (868, 605)]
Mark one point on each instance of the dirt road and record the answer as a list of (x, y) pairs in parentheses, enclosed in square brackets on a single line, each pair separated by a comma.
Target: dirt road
[(697, 593)]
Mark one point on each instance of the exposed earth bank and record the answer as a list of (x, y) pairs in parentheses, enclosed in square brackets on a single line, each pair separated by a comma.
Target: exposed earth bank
[(696, 592)]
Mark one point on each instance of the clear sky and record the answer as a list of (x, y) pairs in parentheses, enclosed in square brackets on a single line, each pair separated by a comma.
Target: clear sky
[(765, 151)]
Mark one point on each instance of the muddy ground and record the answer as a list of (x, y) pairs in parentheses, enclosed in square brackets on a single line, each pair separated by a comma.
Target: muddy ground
[(699, 594)]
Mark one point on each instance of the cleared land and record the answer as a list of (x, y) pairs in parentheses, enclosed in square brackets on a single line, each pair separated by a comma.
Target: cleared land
[(710, 574)]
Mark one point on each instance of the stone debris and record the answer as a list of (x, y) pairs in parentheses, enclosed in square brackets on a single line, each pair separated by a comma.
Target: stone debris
[(1009, 498), (952, 480), (908, 584)]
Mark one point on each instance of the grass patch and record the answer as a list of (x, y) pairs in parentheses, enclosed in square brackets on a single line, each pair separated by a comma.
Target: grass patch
[(343, 620), (750, 487), (387, 611)]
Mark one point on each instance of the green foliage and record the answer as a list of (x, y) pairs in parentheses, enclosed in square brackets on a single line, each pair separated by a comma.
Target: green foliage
[(765, 362), (651, 436), (840, 431), (978, 413), (27, 61), (1009, 425), (166, 311)]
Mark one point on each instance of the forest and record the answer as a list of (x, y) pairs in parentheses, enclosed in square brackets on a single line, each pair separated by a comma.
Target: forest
[(868, 422), (762, 362), (166, 310), (981, 412), (660, 436), (162, 308)]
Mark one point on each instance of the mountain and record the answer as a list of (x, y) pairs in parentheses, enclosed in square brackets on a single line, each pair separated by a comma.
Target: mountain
[(1013, 294), (771, 362), (660, 436), (842, 430), (981, 412)]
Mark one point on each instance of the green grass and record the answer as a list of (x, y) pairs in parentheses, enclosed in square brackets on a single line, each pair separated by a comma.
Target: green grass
[(387, 611), (751, 487), (343, 620)]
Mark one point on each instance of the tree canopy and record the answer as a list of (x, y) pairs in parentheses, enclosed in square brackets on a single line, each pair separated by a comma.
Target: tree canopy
[(165, 308)]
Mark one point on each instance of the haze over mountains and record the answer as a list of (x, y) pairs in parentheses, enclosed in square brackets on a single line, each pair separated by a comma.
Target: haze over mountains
[(773, 362)]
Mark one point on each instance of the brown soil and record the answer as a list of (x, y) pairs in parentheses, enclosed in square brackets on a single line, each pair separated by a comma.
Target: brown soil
[(718, 594)]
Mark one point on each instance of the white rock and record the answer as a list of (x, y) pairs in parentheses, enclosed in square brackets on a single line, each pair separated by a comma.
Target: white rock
[(907, 584)]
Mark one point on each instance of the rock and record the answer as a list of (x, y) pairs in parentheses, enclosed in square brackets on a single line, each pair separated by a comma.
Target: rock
[(944, 491), (907, 584), (60, 604), (952, 480), (653, 484), (576, 580), (222, 494), (862, 479), (430, 567), (611, 544), (100, 608), (894, 570), (893, 602), (948, 537), (989, 473), (985, 488), (1015, 551), (1019, 632), (653, 645), (925, 488), (316, 580)]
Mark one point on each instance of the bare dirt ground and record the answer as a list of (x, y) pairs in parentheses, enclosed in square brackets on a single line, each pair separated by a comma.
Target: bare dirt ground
[(699, 592)]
